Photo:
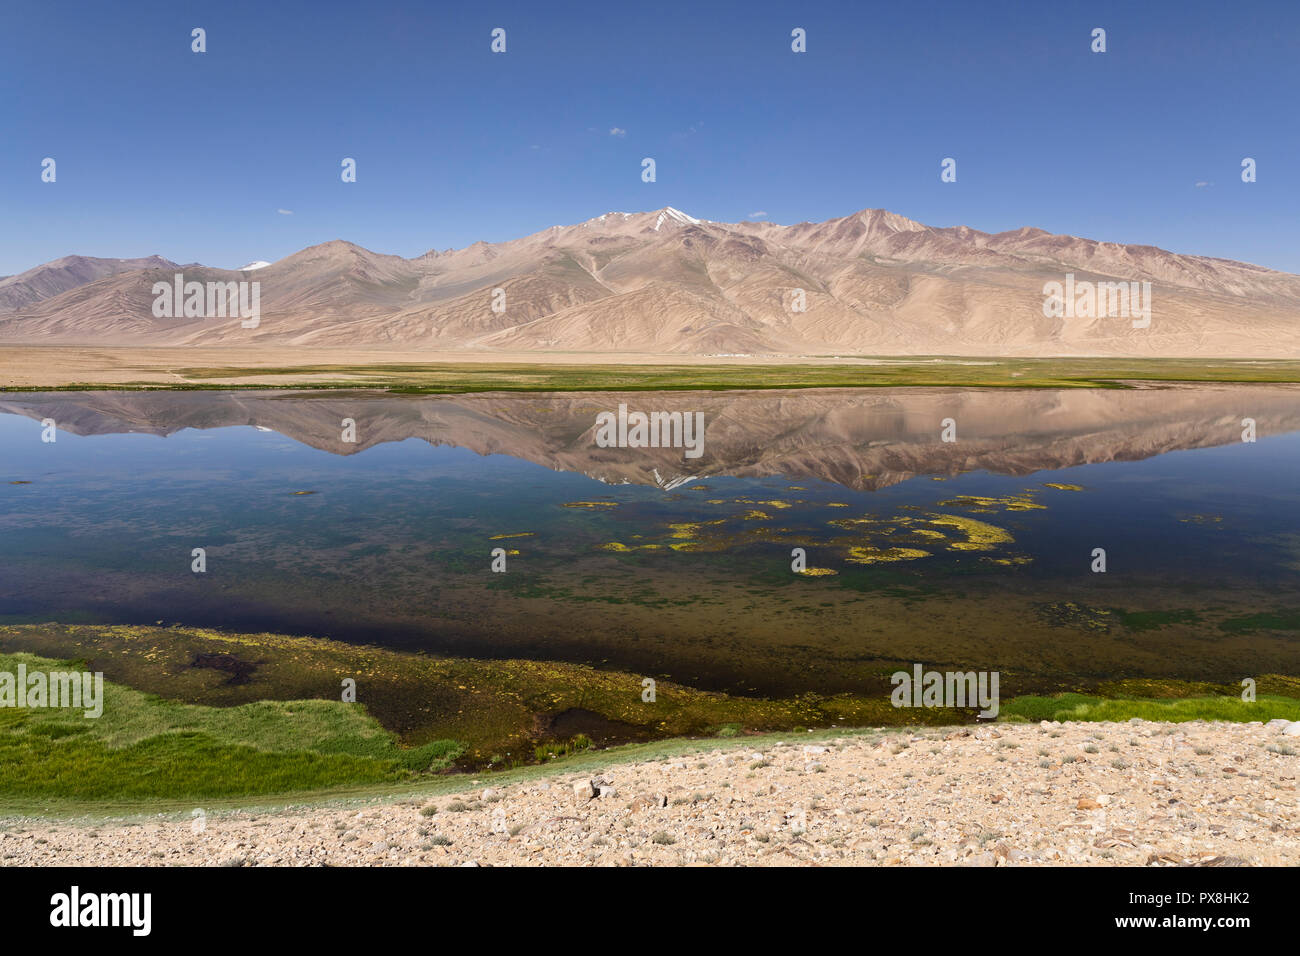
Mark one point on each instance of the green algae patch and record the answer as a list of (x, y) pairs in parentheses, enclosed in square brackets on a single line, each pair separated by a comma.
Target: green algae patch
[(1154, 620)]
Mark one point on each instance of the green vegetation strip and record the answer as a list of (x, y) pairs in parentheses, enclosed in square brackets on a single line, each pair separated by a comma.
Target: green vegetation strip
[(457, 378), (237, 746)]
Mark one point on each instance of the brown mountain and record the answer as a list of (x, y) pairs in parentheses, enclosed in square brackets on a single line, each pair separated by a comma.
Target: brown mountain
[(48, 280), (663, 282)]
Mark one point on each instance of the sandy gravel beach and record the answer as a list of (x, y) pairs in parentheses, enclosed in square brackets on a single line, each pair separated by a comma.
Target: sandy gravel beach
[(1133, 794)]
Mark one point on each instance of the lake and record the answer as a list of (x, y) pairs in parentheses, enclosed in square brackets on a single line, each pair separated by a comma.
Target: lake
[(975, 553)]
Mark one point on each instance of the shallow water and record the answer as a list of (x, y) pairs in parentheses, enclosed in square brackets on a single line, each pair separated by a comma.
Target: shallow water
[(947, 553)]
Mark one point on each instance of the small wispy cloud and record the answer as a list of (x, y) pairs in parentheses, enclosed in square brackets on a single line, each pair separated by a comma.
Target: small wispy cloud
[(758, 215), (285, 212), (617, 131), (1202, 184)]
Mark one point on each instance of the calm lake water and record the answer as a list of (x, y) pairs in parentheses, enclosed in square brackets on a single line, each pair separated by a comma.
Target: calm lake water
[(975, 553)]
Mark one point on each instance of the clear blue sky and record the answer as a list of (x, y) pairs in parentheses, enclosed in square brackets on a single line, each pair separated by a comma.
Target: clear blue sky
[(191, 156)]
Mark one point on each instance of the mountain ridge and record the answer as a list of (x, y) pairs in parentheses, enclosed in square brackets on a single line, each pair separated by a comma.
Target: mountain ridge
[(666, 282)]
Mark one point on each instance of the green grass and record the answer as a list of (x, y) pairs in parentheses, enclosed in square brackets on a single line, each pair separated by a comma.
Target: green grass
[(145, 747), (457, 378), (1082, 707), (238, 746)]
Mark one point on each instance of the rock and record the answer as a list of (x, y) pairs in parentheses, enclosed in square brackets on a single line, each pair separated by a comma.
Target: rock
[(583, 790), (1277, 724), (648, 802), (605, 791), (1087, 804), (815, 750), (1292, 729), (488, 794)]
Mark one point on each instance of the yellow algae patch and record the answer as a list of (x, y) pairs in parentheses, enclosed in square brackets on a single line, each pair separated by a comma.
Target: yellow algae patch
[(836, 504), (699, 488), (1010, 503), (688, 529), (979, 535), (795, 488), (590, 504), (864, 555), (1202, 519), (615, 546), (1061, 486), (513, 551), (755, 516), (515, 534), (818, 572), (1019, 559), (304, 492), (770, 504), (650, 547), (848, 524), (929, 533), (716, 501)]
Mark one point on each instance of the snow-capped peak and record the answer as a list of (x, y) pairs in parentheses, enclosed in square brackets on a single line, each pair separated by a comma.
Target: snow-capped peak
[(255, 264), (668, 212)]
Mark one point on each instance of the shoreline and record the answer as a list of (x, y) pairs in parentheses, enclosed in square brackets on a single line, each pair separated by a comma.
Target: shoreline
[(1132, 794)]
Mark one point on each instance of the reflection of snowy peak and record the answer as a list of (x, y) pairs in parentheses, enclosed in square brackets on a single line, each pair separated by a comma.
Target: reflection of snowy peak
[(858, 438)]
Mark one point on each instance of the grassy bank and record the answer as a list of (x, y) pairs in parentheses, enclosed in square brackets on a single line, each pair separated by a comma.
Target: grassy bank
[(177, 726), (143, 747), (463, 377)]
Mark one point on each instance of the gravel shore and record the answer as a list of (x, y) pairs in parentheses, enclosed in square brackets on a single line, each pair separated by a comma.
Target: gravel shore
[(1132, 794)]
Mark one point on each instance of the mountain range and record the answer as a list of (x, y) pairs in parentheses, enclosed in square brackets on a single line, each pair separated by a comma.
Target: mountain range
[(664, 282)]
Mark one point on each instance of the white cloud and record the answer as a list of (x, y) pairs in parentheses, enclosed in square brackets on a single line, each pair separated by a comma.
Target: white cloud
[(285, 212), (1201, 184), (758, 215), (616, 131)]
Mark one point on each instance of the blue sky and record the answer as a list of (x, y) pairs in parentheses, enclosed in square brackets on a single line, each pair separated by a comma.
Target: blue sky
[(193, 156)]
